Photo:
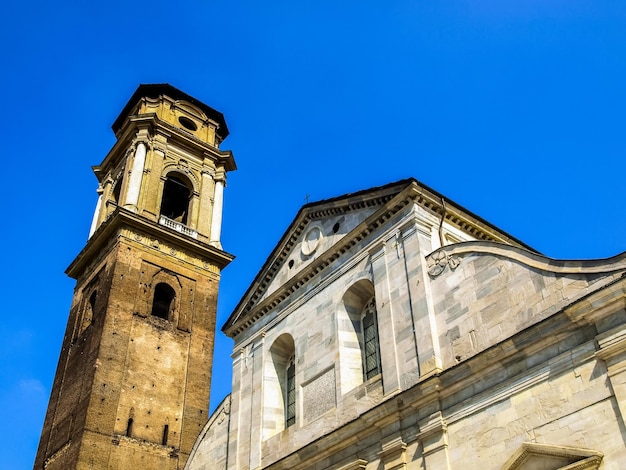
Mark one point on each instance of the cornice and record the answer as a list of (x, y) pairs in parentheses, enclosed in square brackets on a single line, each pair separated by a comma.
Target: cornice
[(120, 218), (600, 303), (157, 126), (525, 257)]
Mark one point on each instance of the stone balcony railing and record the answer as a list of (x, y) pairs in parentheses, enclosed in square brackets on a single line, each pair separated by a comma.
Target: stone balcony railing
[(181, 228)]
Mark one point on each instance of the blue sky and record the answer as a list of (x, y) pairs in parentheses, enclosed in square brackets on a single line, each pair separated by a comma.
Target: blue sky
[(514, 110)]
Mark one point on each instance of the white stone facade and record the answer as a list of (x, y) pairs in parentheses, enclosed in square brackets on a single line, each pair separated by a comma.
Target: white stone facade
[(490, 355)]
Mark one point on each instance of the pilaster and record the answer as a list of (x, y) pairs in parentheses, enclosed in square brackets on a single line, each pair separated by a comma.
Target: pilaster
[(386, 328), (207, 190), (433, 436), (393, 455), (613, 351)]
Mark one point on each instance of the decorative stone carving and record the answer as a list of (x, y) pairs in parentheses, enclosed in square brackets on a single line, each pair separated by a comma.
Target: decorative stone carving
[(438, 260), (311, 240), (531, 455)]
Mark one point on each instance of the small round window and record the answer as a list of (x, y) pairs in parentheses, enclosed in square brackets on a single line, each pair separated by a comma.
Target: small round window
[(187, 123)]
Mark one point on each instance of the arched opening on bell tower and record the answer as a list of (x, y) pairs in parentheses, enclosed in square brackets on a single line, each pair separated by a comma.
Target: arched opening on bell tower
[(164, 301), (176, 198)]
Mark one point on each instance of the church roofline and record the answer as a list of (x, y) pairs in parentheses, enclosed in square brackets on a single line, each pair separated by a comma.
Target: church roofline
[(156, 90), (426, 197)]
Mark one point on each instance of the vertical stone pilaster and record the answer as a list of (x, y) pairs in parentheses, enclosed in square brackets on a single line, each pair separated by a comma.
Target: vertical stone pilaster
[(393, 455), (613, 351), (434, 438), (422, 310), (205, 214), (235, 431), (386, 330), (256, 417)]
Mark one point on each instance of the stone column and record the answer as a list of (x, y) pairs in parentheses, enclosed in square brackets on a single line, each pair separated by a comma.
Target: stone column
[(96, 214), (136, 175), (216, 219)]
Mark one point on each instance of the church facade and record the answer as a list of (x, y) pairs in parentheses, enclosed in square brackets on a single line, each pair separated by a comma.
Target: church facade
[(392, 329), (388, 329)]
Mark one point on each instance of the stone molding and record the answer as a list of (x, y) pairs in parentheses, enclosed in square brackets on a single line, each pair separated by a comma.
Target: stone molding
[(586, 459), (535, 260), (358, 464), (154, 244), (612, 343), (393, 454), (433, 433), (599, 304), (250, 299), (106, 235), (518, 383)]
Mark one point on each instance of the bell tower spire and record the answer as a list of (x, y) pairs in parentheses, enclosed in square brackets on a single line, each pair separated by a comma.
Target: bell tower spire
[(133, 380)]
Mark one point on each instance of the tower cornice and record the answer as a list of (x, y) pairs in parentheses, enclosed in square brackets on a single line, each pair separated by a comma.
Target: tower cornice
[(121, 218)]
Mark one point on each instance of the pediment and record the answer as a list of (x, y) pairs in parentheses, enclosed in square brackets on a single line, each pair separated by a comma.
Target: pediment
[(532, 456), (323, 231), (318, 230)]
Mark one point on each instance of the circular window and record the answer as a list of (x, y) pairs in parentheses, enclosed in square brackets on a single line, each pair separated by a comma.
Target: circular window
[(187, 123), (311, 240)]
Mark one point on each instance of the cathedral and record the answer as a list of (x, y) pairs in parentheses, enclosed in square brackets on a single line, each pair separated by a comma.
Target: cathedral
[(388, 329)]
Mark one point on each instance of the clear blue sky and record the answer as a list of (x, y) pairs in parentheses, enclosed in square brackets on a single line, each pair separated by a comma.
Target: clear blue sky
[(515, 110)]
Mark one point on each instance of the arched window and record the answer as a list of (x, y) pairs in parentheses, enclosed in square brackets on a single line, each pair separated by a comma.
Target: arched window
[(164, 301), (92, 300), (88, 312), (176, 197), (279, 392), (359, 350)]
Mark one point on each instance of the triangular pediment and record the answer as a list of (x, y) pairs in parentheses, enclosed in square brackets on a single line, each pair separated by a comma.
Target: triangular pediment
[(531, 456), (324, 230), (318, 229)]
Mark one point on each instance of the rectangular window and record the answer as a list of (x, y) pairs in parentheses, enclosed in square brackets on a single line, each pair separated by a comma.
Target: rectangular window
[(372, 361), (291, 395)]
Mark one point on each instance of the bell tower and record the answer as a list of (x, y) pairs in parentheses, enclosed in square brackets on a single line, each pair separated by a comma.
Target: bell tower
[(132, 384)]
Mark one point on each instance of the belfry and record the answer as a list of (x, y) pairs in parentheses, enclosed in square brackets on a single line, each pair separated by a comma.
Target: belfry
[(133, 380)]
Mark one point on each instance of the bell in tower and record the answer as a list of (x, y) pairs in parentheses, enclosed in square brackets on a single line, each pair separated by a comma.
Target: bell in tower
[(133, 380)]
